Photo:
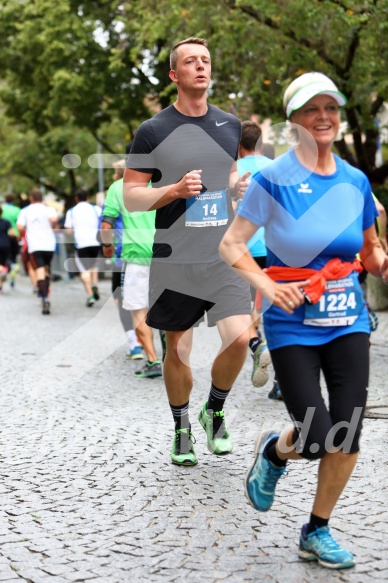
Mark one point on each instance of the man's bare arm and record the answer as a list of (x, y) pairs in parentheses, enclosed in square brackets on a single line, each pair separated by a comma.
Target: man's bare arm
[(106, 234), (139, 197)]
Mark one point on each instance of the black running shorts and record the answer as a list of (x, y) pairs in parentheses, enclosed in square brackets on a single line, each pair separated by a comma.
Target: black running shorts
[(41, 258), (181, 294), (86, 258)]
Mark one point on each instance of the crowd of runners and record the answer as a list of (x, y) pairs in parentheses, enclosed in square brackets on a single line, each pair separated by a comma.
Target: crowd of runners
[(203, 222)]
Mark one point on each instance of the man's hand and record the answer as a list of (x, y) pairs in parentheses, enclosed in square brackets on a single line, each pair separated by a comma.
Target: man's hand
[(190, 185), (106, 234), (241, 185), (108, 252)]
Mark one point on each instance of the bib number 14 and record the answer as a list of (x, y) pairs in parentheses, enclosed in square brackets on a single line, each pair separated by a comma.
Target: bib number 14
[(212, 211)]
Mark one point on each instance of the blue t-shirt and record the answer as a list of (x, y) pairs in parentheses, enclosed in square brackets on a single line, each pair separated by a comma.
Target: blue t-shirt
[(254, 164), (308, 219)]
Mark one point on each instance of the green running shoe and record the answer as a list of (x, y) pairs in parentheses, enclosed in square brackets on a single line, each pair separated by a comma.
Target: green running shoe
[(150, 370), (95, 293), (90, 301), (219, 440), (163, 341), (182, 450)]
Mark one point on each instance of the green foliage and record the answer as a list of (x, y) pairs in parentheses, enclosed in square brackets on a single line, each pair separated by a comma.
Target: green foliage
[(77, 71), (259, 47), (29, 160), (60, 59), (68, 80), (381, 192)]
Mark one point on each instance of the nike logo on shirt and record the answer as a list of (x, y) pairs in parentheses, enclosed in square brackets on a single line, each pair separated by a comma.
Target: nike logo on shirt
[(221, 124)]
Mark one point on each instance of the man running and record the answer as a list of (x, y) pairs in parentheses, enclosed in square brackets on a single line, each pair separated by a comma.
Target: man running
[(138, 234), (37, 220), (188, 151), (82, 219)]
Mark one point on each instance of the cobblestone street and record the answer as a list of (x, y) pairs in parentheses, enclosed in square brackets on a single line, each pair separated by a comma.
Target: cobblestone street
[(88, 492)]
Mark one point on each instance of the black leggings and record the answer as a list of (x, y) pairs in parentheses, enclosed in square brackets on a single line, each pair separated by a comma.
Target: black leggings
[(345, 366)]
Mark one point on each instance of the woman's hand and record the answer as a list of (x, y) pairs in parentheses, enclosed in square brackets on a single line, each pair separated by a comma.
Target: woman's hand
[(288, 296), (384, 270)]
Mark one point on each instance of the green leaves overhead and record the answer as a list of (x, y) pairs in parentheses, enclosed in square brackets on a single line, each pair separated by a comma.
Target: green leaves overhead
[(102, 66), (60, 64)]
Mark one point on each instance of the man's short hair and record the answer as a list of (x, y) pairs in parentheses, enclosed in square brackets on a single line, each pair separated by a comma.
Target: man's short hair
[(250, 136), (81, 194), (192, 40), (8, 198), (36, 194)]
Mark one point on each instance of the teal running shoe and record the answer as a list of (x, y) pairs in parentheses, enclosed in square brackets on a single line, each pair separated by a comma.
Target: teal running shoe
[(135, 353), (373, 319), (320, 546), (275, 393), (262, 477), (219, 440)]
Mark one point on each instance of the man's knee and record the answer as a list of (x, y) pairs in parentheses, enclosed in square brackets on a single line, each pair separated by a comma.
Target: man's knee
[(235, 333), (179, 345), (240, 344)]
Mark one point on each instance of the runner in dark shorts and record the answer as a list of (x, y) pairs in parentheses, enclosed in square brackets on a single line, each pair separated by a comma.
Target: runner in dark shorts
[(188, 152), (86, 258)]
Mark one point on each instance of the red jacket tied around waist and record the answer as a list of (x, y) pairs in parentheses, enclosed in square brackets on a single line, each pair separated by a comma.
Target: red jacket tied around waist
[(334, 269)]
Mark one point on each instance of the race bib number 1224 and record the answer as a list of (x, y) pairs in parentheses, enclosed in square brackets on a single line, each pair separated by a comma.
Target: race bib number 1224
[(340, 304)]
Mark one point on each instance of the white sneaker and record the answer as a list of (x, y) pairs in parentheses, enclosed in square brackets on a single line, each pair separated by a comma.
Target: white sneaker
[(261, 361)]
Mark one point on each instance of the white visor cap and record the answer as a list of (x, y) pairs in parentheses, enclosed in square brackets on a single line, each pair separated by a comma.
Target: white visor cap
[(303, 88)]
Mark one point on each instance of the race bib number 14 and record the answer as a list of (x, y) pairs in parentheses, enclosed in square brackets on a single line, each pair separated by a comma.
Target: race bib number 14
[(340, 304), (208, 209)]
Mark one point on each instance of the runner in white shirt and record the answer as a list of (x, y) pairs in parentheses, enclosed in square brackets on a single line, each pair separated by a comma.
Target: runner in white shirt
[(82, 220), (38, 220)]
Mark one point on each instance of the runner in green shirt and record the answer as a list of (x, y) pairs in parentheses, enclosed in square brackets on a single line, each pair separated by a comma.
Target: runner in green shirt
[(137, 241)]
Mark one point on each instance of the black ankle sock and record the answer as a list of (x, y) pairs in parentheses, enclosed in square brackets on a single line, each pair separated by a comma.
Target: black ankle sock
[(271, 455), (216, 398), (259, 334), (316, 522), (42, 288), (180, 414), (254, 343)]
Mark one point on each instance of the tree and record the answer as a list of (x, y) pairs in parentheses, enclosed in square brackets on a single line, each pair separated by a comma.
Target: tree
[(62, 78), (259, 47), (95, 65), (30, 160)]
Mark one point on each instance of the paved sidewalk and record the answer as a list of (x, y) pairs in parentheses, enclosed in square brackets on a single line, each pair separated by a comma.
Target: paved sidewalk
[(87, 489)]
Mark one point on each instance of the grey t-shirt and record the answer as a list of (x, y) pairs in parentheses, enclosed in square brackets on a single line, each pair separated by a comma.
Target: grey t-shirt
[(168, 146)]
